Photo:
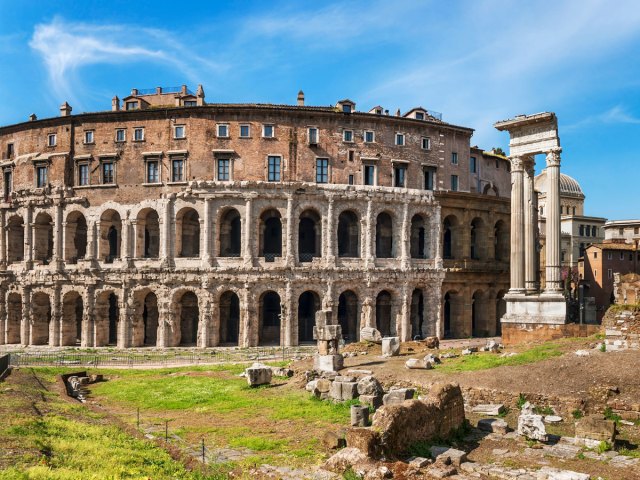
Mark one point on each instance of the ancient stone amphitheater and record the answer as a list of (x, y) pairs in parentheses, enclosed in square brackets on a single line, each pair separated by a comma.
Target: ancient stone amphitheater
[(169, 221)]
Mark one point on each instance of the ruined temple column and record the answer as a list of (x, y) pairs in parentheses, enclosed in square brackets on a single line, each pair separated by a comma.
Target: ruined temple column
[(330, 234), (405, 314), (552, 270), (517, 226), (87, 338), (244, 329), (405, 237), (369, 240), (247, 234), (125, 253), (207, 233), (530, 226), (290, 243), (3, 239)]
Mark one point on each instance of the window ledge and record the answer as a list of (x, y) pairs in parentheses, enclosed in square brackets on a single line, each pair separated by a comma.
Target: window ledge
[(177, 183), (138, 141), (179, 138), (245, 138), (269, 138), (153, 184), (104, 185)]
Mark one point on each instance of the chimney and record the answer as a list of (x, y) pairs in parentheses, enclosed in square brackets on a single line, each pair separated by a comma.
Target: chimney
[(134, 92), (115, 104), (32, 117), (158, 90), (301, 98), (200, 96), (65, 109), (398, 113), (386, 112), (183, 90)]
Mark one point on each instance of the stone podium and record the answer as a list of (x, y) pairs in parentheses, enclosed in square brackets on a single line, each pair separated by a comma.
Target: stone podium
[(328, 358)]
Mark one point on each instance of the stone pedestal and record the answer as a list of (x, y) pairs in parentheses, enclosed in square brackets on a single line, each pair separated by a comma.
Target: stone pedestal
[(328, 363)]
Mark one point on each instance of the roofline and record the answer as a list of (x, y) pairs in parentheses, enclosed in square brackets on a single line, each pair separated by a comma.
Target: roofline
[(620, 223)]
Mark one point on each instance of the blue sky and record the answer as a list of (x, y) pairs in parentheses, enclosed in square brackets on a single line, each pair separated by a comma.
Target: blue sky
[(475, 61)]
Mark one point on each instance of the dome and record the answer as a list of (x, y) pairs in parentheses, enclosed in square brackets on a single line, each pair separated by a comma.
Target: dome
[(569, 186)]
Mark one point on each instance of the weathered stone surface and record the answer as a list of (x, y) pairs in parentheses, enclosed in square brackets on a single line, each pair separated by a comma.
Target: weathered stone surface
[(431, 358), (552, 419), (344, 378), (333, 440), (366, 440), (391, 346), (342, 391), (397, 396), (419, 462), (528, 409), (532, 427), (311, 386), (549, 473), (492, 346), (258, 375), (323, 385), (369, 385), (328, 363), (370, 334), (432, 342), (493, 425), (346, 458), (469, 350), (374, 401), (597, 428), (448, 455), (418, 364), (359, 415), (493, 409), (282, 372)]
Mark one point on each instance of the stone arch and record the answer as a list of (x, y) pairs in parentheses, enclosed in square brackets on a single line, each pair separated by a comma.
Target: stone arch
[(75, 237), (418, 318), (15, 239), (110, 235), (270, 234), (501, 241), (72, 312), (501, 310), (384, 313), (478, 236), (419, 237), (450, 237), (150, 319), (188, 232), (308, 305), (43, 238), (348, 234), (14, 318), (349, 316), (188, 316), (230, 233), (451, 314), (270, 318), (309, 235), (385, 247), (40, 318), (490, 189), (147, 233), (479, 320), (107, 318), (229, 318)]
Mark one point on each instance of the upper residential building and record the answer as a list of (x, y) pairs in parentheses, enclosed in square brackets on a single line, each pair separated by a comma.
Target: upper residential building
[(622, 230)]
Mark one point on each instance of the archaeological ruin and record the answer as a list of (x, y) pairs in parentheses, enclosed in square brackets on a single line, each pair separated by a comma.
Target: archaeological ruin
[(169, 221)]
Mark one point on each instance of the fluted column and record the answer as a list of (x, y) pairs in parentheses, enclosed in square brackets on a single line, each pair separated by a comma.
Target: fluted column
[(91, 241), (552, 269), (517, 226), (530, 226)]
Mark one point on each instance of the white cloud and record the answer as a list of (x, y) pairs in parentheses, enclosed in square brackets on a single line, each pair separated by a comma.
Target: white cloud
[(614, 116)]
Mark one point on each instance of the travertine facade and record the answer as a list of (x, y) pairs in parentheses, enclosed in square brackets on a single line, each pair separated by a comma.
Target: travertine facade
[(176, 222)]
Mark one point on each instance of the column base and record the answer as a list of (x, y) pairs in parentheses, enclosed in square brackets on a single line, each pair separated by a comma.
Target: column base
[(535, 309)]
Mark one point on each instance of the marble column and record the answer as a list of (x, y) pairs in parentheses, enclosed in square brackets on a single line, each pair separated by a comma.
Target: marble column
[(92, 241), (25, 323), (530, 226), (517, 227), (125, 248), (552, 268)]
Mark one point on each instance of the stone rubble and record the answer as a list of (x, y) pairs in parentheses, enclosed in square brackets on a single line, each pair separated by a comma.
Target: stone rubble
[(258, 374), (390, 346)]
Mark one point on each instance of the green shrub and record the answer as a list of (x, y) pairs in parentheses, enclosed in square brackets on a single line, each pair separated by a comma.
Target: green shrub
[(609, 415), (349, 474), (577, 414), (604, 447), (546, 410), (521, 401), (504, 412), (603, 347)]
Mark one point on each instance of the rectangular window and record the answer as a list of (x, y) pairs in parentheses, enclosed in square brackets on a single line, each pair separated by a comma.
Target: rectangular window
[(346, 108), (322, 170), (426, 143), (138, 134), (347, 135), (369, 136), (399, 176), (581, 230), (8, 184), (121, 135), (51, 140), (88, 136), (41, 176), (595, 254), (223, 131), (473, 167), (351, 154), (190, 103), (179, 131), (454, 183), (609, 273), (609, 255), (108, 173), (10, 150), (313, 136), (497, 164), (177, 170), (223, 169), (369, 175), (350, 179), (131, 105), (268, 131), (83, 174), (454, 158), (245, 131), (429, 178), (274, 169), (400, 139), (419, 116), (621, 255), (152, 171)]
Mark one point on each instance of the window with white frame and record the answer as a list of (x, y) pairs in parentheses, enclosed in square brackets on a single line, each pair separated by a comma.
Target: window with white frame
[(347, 135), (322, 170), (108, 171), (224, 169), (425, 143), (83, 174), (179, 131), (429, 178), (454, 158), (51, 140), (42, 172), (245, 131), (273, 168), (312, 135), (268, 131), (88, 136), (177, 169), (223, 130), (369, 136), (121, 135), (152, 170), (400, 139), (138, 134), (621, 255)]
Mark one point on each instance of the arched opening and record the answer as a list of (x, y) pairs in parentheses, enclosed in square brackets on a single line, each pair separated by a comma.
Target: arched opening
[(14, 318), (384, 236), (150, 319), (383, 313), (43, 238), (449, 240), (229, 318), (348, 317), (110, 235), (270, 312), (308, 305), (478, 234), (419, 245), (188, 233), (230, 233), (107, 318), (75, 247), (41, 318), (270, 234), (189, 318), (15, 239), (418, 326), (114, 319), (148, 234), (501, 241), (72, 311), (309, 236), (501, 310), (447, 316), (478, 315), (348, 235)]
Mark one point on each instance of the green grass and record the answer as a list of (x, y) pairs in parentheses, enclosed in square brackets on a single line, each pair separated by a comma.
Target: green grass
[(484, 361)]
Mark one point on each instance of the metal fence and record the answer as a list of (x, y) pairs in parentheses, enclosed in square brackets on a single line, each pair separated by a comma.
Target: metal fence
[(160, 359)]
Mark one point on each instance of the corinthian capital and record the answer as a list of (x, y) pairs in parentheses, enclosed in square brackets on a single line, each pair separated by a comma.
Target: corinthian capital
[(517, 164), (553, 157)]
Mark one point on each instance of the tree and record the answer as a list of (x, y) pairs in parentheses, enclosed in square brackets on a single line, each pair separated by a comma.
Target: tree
[(498, 151)]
